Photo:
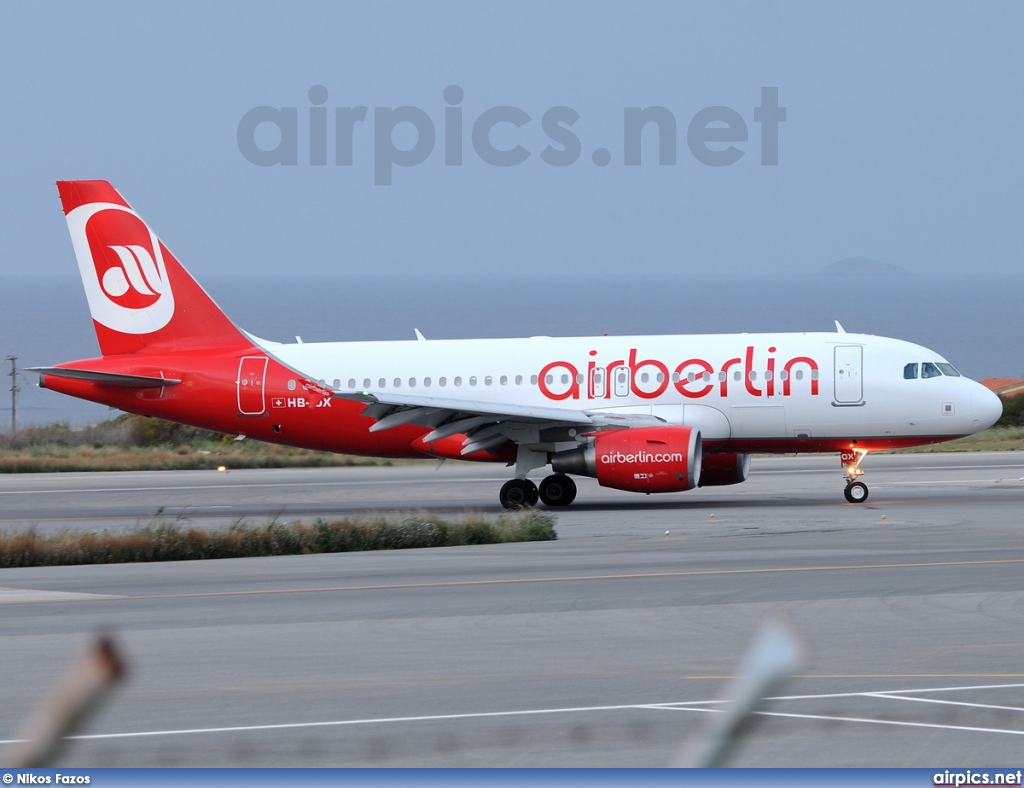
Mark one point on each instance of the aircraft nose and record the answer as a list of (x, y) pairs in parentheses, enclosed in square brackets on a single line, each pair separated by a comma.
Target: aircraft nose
[(986, 408)]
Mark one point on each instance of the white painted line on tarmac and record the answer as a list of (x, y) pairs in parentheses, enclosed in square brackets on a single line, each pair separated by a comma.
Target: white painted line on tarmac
[(894, 696), (21, 596), (900, 723), (74, 490), (695, 706)]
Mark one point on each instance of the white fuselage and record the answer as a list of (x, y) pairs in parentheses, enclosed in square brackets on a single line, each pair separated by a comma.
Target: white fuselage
[(735, 386)]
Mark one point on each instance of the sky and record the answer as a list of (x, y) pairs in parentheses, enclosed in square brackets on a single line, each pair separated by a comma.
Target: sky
[(900, 140)]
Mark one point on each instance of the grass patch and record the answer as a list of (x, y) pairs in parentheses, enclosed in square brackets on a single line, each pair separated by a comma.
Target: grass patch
[(134, 443), (171, 542)]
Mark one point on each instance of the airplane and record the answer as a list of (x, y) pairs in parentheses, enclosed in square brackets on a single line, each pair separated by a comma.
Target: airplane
[(645, 414)]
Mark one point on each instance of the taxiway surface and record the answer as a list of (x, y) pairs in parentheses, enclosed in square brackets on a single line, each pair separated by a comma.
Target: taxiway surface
[(606, 648)]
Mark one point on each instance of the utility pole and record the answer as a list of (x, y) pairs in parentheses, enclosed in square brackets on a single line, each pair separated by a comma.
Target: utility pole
[(14, 393)]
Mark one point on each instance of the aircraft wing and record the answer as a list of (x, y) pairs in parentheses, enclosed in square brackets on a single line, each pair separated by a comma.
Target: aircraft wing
[(488, 425)]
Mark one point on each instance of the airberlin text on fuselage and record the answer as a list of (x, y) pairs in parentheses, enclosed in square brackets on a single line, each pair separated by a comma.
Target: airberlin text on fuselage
[(693, 378)]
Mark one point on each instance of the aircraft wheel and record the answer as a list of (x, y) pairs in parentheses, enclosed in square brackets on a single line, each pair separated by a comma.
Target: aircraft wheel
[(856, 492), (518, 494), (558, 490)]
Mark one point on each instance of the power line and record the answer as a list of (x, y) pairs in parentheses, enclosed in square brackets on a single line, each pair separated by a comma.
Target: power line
[(14, 393)]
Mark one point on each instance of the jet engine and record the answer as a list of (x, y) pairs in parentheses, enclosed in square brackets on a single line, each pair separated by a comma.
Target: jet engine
[(647, 459), (721, 469)]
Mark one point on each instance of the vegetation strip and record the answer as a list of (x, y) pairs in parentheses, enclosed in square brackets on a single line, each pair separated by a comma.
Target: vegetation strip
[(173, 543)]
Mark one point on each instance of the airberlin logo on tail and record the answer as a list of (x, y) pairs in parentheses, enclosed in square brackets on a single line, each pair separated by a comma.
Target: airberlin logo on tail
[(122, 268)]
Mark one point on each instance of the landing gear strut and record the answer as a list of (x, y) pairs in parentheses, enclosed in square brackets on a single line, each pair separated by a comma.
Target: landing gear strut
[(856, 491), (518, 494), (558, 490)]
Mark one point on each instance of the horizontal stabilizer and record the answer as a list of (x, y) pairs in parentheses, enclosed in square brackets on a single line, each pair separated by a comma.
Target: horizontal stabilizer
[(106, 378)]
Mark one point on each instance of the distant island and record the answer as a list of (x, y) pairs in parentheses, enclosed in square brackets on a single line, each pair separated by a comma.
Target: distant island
[(863, 266)]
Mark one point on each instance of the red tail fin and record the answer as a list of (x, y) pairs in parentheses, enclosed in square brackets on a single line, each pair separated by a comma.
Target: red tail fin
[(139, 295)]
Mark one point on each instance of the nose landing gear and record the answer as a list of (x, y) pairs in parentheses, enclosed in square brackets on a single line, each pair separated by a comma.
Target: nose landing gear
[(856, 491)]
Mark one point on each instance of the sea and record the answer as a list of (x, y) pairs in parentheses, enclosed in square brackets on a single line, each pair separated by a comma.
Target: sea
[(976, 323)]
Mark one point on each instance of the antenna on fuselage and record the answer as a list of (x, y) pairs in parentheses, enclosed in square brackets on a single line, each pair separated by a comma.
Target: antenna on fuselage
[(839, 328)]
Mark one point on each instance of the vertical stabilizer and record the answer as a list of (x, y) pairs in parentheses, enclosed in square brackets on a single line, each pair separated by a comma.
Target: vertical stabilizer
[(139, 295)]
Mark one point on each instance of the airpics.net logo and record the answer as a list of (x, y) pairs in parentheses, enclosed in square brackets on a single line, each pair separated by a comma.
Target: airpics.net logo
[(407, 136)]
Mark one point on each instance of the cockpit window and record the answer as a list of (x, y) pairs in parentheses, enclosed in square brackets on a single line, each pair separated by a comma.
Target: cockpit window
[(910, 372), (929, 370), (948, 370)]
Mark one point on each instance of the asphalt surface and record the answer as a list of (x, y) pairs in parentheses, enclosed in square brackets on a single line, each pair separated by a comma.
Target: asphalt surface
[(609, 647)]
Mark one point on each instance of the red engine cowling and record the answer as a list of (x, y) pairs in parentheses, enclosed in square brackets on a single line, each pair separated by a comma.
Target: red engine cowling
[(720, 469), (649, 459)]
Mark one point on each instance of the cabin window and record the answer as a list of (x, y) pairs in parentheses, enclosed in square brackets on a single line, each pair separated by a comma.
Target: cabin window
[(412, 383), (533, 380), (783, 375), (948, 370), (442, 382), (351, 383), (910, 372), (753, 374), (458, 381), (549, 379), (675, 377), (565, 380), (426, 382), (736, 375), (929, 370), (382, 383), (337, 383), (799, 374), (504, 380), (814, 374), (660, 377), (519, 380), (488, 380), (706, 377), (644, 377), (291, 385), (366, 383)]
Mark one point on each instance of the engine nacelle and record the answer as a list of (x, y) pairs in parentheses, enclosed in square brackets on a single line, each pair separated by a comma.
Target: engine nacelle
[(648, 459), (720, 469)]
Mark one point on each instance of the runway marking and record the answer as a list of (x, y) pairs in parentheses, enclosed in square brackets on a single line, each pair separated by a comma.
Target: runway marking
[(696, 706), (894, 696), (243, 485), (885, 676), (533, 580), (20, 596)]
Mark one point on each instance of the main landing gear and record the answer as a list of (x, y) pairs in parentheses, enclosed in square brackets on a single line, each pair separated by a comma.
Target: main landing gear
[(856, 491), (556, 490)]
